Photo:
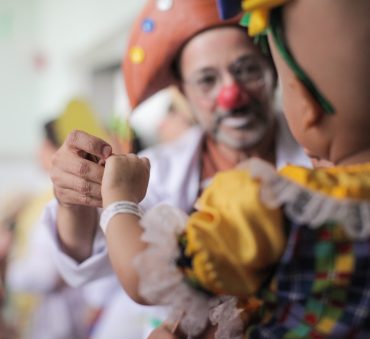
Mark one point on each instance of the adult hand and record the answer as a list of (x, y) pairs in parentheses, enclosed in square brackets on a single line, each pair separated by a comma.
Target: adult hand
[(77, 170), (125, 177)]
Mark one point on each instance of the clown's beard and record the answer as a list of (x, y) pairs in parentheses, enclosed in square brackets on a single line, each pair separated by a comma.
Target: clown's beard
[(241, 130), (241, 139)]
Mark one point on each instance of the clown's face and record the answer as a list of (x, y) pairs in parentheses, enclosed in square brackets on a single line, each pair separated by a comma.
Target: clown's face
[(230, 87)]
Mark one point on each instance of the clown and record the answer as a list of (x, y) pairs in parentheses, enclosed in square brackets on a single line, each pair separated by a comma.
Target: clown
[(321, 283), (230, 86)]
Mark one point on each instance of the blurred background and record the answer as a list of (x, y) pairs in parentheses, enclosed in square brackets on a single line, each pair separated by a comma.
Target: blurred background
[(60, 68), (51, 51)]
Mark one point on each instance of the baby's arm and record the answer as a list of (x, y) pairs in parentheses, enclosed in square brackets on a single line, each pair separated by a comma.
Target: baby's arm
[(125, 179)]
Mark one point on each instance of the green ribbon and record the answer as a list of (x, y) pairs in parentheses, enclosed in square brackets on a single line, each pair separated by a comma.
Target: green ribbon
[(276, 28)]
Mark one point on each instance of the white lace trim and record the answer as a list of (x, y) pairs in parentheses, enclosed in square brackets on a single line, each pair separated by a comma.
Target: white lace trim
[(309, 207), (161, 282)]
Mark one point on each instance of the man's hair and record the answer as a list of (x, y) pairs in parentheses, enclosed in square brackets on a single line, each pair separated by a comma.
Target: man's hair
[(49, 132)]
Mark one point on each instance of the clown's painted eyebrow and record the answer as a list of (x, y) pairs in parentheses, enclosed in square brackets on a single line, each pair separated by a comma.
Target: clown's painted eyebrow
[(242, 58)]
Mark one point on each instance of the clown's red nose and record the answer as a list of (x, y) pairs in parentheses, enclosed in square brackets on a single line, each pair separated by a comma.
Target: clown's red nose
[(231, 97)]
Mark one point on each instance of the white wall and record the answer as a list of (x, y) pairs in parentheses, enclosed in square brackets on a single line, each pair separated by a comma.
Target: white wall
[(77, 35), (18, 80)]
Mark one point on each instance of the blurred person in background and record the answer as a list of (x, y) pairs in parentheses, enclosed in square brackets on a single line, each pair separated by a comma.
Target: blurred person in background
[(10, 208), (230, 86), (162, 118), (124, 137), (178, 117), (42, 305)]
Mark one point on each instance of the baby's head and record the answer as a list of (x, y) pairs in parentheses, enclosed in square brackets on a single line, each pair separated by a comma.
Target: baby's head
[(330, 41), (322, 50)]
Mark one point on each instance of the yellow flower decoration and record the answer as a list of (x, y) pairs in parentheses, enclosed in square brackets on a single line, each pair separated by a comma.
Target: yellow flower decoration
[(342, 182), (260, 13), (137, 55)]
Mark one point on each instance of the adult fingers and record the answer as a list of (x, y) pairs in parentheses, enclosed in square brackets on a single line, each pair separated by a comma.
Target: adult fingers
[(90, 144), (77, 166), (67, 197), (80, 191)]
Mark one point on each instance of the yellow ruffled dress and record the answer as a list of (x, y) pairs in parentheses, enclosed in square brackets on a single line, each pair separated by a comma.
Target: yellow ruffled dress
[(298, 240)]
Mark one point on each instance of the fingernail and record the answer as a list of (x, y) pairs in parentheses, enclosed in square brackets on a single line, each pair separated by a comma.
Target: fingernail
[(107, 151)]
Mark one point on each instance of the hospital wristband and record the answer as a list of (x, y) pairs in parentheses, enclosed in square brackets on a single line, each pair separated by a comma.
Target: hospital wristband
[(116, 207)]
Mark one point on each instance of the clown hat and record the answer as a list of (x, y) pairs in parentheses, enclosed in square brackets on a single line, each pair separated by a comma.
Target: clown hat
[(158, 34), (78, 115)]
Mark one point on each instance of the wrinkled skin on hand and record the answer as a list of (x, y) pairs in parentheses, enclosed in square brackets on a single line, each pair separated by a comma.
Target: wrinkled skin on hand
[(7, 331), (77, 170), (125, 177)]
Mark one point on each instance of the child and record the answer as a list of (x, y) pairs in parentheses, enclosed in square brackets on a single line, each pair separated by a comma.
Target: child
[(298, 240)]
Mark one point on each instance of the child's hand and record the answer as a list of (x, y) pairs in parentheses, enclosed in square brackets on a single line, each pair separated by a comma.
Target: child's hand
[(125, 177)]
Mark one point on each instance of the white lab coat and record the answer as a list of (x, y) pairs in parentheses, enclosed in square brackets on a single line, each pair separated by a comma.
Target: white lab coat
[(175, 179), (44, 308)]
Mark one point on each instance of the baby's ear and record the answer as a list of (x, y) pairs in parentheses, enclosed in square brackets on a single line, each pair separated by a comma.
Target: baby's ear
[(310, 110)]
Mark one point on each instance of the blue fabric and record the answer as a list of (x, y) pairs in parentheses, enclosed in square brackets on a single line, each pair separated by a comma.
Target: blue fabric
[(228, 8)]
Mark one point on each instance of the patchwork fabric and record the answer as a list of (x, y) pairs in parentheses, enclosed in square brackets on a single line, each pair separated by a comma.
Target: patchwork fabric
[(323, 287)]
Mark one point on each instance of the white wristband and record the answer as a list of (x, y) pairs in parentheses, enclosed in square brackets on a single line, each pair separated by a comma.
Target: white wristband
[(118, 207)]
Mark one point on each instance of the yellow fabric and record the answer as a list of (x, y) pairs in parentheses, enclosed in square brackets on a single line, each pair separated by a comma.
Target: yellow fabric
[(326, 325), (26, 221), (233, 237), (343, 182), (259, 21), (78, 115), (260, 13)]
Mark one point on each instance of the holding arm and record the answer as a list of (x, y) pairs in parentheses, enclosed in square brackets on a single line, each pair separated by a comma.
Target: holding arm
[(125, 179), (77, 187), (221, 248)]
